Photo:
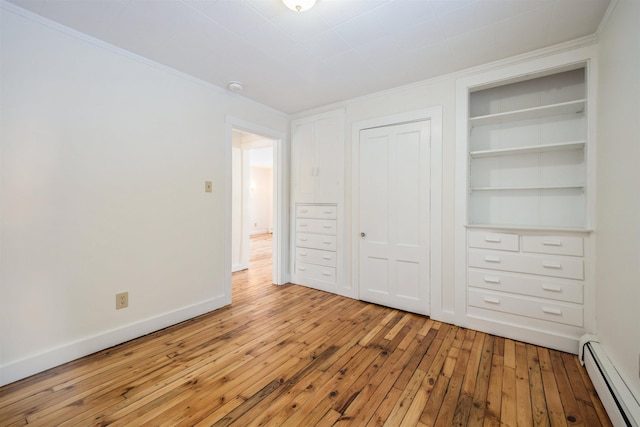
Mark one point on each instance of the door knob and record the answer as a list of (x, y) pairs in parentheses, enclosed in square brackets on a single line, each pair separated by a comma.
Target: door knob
[(363, 235)]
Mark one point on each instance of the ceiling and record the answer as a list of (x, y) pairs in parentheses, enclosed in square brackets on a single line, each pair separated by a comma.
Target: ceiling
[(338, 50)]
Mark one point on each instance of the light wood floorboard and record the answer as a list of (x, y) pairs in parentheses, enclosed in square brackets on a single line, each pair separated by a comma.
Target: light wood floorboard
[(294, 356)]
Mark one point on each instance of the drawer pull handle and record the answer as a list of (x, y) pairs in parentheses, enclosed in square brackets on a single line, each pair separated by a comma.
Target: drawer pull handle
[(327, 212), (493, 239), (324, 273), (326, 257), (327, 226), (492, 259), (491, 300), (303, 254), (303, 224), (304, 211), (302, 268), (492, 280), (554, 311), (551, 265), (551, 243), (327, 242), (552, 288), (303, 239)]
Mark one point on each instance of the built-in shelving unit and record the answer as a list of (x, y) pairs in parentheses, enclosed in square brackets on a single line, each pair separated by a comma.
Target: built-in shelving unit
[(525, 150), (527, 153)]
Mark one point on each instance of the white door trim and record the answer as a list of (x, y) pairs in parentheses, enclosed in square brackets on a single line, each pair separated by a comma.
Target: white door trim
[(280, 200), (244, 245), (434, 114)]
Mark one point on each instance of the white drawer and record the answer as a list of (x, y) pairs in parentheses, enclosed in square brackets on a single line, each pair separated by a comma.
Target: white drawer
[(559, 245), (324, 226), (317, 211), (545, 265), (488, 240), (315, 272), (316, 241), (522, 306), (316, 256), (561, 290)]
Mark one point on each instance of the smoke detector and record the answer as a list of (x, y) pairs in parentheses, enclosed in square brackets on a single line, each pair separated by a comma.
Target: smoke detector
[(235, 87)]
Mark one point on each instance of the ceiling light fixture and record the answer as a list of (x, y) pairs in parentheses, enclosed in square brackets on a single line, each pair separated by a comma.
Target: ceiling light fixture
[(235, 86), (299, 5)]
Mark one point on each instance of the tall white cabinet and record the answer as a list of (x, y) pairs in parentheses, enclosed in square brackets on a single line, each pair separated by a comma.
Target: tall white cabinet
[(317, 184), (525, 201)]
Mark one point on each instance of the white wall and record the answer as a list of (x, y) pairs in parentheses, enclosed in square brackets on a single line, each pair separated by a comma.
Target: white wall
[(261, 200), (618, 180), (104, 158)]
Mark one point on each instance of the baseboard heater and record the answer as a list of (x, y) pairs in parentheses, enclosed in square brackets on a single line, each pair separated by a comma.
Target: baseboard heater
[(621, 406)]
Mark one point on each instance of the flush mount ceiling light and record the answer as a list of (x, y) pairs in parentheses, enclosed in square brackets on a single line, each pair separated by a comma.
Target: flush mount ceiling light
[(299, 5), (235, 86)]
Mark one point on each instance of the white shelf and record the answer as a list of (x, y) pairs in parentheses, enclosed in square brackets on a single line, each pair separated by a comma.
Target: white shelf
[(547, 187), (574, 145), (507, 227), (530, 113)]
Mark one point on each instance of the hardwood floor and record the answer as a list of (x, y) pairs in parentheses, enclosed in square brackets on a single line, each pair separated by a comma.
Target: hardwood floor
[(294, 356)]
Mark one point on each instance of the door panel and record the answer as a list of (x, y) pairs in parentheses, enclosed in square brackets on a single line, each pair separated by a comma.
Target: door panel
[(304, 158), (394, 216)]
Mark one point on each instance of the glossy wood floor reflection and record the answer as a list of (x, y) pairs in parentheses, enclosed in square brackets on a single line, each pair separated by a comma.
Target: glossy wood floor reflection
[(294, 356)]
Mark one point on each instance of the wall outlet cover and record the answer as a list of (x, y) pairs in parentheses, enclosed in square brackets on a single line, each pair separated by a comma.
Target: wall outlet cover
[(122, 300)]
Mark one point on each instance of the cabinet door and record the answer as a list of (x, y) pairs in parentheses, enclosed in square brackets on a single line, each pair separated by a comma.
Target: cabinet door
[(317, 158), (330, 161), (303, 157)]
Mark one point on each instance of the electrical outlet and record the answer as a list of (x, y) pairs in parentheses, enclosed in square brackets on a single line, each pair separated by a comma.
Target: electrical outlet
[(122, 300), (208, 186)]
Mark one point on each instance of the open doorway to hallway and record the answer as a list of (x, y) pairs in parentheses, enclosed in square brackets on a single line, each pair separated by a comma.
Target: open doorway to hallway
[(253, 168)]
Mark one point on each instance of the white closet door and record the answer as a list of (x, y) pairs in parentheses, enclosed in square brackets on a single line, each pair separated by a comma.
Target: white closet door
[(394, 187)]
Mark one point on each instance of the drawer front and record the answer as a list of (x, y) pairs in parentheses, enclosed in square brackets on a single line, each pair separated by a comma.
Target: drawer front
[(316, 272), (549, 265), (559, 245), (316, 241), (522, 306), (530, 285), (317, 211), (324, 226), (499, 241), (316, 256)]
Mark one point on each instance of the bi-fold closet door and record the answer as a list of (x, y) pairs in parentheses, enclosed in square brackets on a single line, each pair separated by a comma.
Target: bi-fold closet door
[(394, 190)]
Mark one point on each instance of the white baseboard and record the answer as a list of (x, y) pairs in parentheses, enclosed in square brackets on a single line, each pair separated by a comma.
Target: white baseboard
[(621, 406), (238, 267), (31, 365)]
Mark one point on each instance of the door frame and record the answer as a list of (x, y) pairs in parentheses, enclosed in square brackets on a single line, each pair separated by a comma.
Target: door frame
[(433, 114), (280, 199)]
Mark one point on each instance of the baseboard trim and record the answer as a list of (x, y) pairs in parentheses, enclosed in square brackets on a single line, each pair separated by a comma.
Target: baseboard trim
[(31, 365)]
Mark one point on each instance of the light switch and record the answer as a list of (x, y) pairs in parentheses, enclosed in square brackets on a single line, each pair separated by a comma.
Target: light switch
[(208, 186)]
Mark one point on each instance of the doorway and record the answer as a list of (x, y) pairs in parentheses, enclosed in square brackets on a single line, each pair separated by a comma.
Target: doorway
[(252, 196)]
